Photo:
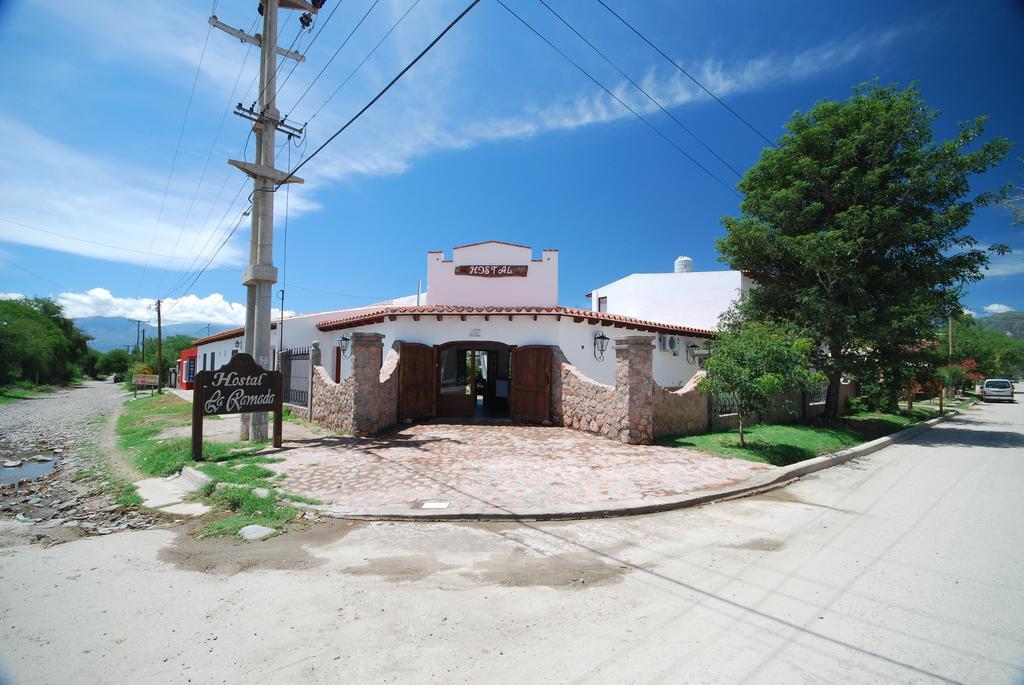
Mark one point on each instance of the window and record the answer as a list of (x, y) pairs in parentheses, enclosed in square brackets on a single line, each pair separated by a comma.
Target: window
[(204, 361), (602, 304)]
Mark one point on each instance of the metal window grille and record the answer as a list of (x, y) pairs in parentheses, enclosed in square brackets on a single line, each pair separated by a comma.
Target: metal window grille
[(295, 375), (817, 396)]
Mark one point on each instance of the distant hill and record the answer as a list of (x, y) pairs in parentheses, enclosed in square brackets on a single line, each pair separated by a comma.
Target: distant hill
[(1011, 323), (110, 332)]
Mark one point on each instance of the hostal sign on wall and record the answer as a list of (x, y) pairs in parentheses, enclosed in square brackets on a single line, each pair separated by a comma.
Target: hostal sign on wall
[(492, 270), (239, 387)]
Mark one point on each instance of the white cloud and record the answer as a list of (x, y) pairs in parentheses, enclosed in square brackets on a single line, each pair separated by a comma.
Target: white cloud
[(11, 296), (212, 309), (1011, 264), (970, 312), (997, 308), (426, 112), (48, 193)]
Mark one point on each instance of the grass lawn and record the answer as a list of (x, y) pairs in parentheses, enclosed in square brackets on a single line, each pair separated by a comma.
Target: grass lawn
[(783, 444), (238, 465), (23, 391)]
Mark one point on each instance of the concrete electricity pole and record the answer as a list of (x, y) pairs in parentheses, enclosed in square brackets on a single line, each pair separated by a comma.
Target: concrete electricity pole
[(159, 351), (261, 273)]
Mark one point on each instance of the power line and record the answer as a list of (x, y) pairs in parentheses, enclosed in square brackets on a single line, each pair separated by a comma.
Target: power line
[(686, 73), (177, 149), (620, 101), (210, 260), (641, 89), (379, 95), (360, 65), (343, 44), (184, 278), (209, 156), (93, 242), (310, 46), (33, 273)]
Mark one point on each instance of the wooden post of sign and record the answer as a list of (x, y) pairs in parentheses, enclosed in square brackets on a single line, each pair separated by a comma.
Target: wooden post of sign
[(278, 407), (197, 417)]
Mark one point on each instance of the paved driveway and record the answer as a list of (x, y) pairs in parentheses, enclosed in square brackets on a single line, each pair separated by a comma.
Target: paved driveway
[(477, 469)]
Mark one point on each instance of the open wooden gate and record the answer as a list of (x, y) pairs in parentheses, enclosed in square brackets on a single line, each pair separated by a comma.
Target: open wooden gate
[(531, 383), (415, 382)]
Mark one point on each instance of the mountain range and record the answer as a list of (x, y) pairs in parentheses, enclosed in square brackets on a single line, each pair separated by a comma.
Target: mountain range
[(111, 332), (1011, 323)]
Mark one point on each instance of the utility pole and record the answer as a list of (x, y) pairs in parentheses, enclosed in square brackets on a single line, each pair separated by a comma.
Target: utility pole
[(951, 338), (261, 273), (138, 326), (142, 350), (159, 351)]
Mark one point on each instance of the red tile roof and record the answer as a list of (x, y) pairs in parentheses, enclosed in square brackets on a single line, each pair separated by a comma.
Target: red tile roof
[(224, 335), (578, 315)]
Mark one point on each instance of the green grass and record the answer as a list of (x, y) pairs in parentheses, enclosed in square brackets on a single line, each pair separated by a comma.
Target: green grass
[(239, 464), (23, 390), (784, 444)]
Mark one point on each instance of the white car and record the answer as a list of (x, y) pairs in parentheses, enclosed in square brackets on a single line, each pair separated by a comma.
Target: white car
[(997, 389)]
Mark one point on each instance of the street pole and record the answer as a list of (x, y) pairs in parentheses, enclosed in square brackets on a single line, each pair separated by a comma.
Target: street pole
[(951, 338), (142, 350), (261, 274), (159, 351)]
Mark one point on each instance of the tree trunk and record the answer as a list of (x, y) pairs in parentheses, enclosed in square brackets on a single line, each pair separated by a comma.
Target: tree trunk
[(942, 394), (910, 396), (739, 418), (832, 396)]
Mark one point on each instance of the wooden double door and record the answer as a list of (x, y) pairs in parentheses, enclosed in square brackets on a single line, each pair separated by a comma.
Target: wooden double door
[(475, 380)]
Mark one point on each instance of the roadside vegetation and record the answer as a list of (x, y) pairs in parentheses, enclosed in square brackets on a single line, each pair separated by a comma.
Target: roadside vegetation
[(243, 491), (40, 345), (23, 390), (784, 444)]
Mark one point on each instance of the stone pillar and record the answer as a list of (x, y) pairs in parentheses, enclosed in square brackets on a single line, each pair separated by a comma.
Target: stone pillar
[(367, 353), (314, 361), (634, 388)]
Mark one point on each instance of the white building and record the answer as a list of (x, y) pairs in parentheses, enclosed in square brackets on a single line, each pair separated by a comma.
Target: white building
[(683, 296), (487, 301)]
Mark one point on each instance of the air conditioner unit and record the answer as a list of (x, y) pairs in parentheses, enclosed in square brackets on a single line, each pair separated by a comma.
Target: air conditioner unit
[(669, 343)]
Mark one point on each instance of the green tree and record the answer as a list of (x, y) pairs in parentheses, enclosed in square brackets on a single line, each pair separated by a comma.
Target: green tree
[(753, 362), (115, 361), (172, 347), (38, 343), (852, 226)]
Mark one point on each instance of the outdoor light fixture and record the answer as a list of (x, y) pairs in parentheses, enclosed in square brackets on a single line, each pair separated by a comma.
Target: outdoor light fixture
[(695, 355), (343, 342), (238, 343), (600, 345)]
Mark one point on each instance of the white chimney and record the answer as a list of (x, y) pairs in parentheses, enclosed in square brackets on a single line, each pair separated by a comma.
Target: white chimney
[(684, 265)]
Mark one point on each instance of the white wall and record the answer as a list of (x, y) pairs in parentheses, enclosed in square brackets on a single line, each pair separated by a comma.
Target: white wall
[(575, 339), (539, 288), (693, 299)]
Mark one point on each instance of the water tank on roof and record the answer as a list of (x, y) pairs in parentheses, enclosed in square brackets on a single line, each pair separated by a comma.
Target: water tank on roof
[(684, 265)]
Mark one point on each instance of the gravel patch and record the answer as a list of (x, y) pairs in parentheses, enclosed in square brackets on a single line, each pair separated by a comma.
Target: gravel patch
[(67, 427)]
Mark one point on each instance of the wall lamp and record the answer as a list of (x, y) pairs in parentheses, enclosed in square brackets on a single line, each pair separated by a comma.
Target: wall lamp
[(343, 342), (695, 355), (238, 343), (600, 345)]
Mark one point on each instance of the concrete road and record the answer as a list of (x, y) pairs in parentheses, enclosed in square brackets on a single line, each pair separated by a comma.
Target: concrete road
[(904, 566)]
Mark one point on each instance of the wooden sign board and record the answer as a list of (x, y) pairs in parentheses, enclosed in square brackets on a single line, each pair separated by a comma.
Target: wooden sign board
[(492, 270), (145, 380), (239, 387)]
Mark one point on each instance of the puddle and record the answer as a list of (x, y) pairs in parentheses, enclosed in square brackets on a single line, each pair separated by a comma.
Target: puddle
[(29, 469)]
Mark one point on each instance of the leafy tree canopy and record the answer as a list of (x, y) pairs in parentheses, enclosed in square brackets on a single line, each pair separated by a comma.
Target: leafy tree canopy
[(754, 362), (852, 226)]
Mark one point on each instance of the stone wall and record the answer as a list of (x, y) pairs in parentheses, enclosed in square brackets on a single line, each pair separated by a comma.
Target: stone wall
[(634, 388), (624, 412), (683, 411), (366, 402), (580, 402)]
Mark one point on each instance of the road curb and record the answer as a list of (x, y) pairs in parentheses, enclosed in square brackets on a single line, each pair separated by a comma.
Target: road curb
[(772, 480)]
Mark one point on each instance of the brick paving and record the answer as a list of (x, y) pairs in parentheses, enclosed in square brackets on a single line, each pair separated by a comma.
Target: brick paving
[(487, 468)]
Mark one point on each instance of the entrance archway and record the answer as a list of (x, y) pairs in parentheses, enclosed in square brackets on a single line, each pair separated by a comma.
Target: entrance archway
[(474, 380)]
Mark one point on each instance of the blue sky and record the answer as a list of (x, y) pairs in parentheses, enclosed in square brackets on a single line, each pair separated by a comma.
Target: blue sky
[(491, 136)]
